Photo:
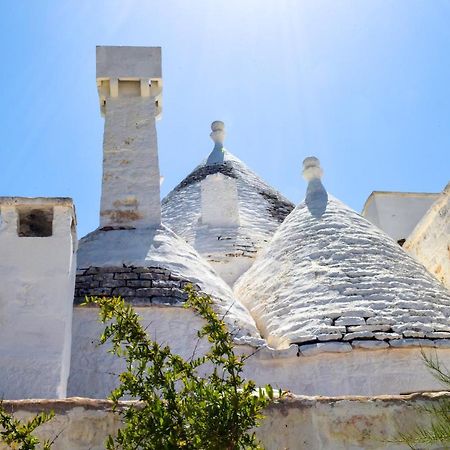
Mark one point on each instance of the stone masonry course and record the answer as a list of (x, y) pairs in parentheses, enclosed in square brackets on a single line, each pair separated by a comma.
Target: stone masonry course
[(140, 286)]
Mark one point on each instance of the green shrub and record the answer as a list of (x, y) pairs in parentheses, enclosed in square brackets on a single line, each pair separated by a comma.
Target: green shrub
[(19, 434), (179, 408)]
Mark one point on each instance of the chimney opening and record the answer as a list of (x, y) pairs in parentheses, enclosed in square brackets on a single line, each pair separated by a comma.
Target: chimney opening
[(34, 222), (129, 88)]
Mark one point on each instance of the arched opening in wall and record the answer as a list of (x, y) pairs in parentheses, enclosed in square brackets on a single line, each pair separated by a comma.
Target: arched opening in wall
[(34, 222)]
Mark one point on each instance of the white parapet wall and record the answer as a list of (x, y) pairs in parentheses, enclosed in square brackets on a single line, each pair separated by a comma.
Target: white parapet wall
[(429, 243), (397, 213), (129, 86), (292, 423), (37, 275)]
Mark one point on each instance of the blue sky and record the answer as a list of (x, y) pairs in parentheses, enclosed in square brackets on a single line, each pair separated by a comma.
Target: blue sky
[(363, 85)]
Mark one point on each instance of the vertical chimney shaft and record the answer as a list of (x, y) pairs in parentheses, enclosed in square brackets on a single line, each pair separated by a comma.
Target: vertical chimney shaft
[(129, 84)]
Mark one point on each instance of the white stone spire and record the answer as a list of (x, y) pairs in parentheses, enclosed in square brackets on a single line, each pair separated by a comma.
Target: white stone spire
[(129, 85), (217, 156), (219, 195)]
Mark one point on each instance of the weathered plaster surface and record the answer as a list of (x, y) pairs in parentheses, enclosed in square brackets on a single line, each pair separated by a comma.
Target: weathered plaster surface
[(37, 276), (346, 423), (429, 243), (397, 213), (330, 275), (360, 372), (292, 423), (131, 180)]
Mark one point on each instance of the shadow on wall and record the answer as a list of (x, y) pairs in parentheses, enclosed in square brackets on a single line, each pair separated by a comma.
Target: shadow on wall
[(115, 247), (316, 198)]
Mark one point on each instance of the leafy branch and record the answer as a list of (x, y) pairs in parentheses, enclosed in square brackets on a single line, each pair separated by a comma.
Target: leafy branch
[(438, 432), (179, 406), (19, 435)]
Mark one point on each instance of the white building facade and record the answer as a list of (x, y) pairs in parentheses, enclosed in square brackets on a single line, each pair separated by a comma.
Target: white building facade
[(331, 301)]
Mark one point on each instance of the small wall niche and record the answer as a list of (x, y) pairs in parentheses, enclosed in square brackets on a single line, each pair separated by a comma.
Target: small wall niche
[(129, 88), (34, 222)]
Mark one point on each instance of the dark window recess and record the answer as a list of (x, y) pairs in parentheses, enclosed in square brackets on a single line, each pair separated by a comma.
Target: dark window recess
[(35, 222), (401, 242)]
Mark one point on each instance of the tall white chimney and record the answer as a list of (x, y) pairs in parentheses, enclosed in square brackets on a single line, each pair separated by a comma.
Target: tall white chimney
[(130, 85)]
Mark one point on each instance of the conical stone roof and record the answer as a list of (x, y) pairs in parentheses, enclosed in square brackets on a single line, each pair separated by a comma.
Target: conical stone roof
[(151, 266), (261, 210), (262, 207), (331, 279)]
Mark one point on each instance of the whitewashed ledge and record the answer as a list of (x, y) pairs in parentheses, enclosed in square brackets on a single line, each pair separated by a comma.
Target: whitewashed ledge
[(345, 347), (294, 422), (300, 350)]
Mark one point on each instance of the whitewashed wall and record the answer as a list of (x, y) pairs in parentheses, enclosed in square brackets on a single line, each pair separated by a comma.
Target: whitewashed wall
[(220, 201), (94, 371), (429, 243), (397, 213), (358, 372), (36, 304)]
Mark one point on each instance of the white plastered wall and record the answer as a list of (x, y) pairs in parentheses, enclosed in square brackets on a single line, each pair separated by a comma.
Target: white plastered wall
[(220, 201), (94, 370), (218, 245), (397, 213), (429, 243), (218, 225), (359, 372), (36, 304)]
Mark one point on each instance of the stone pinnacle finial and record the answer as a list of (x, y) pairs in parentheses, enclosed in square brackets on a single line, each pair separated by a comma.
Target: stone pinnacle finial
[(218, 132), (312, 169)]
